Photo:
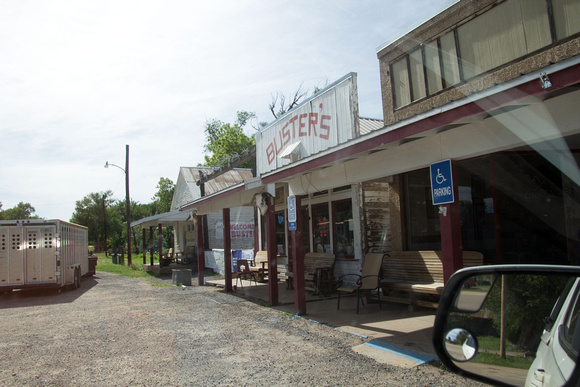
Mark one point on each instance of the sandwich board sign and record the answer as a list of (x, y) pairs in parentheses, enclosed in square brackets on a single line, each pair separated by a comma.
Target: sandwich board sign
[(441, 183)]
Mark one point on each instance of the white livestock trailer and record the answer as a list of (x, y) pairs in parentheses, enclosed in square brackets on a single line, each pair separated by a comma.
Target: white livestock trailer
[(42, 253)]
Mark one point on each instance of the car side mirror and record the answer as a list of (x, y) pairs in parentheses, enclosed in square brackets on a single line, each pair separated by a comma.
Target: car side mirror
[(511, 324)]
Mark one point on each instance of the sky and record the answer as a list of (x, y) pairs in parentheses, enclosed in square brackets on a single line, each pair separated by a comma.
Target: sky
[(81, 79)]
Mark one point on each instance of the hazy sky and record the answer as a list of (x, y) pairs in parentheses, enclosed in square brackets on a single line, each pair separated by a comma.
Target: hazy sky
[(80, 79)]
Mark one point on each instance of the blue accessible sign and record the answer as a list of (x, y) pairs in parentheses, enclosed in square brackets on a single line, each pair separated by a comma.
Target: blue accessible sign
[(441, 183), (292, 213)]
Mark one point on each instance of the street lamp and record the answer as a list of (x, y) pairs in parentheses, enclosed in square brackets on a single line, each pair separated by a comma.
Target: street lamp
[(127, 201)]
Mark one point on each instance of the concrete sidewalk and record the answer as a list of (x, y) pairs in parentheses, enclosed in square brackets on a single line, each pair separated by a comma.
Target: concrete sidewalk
[(395, 334)]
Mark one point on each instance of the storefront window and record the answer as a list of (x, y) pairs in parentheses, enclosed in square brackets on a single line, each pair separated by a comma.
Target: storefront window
[(512, 209), (281, 232), (423, 232), (343, 229), (321, 228)]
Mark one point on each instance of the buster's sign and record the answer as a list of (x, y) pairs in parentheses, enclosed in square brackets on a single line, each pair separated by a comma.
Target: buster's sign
[(324, 120), (298, 126)]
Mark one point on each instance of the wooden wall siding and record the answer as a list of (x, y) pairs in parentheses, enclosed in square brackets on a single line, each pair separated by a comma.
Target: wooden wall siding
[(377, 235)]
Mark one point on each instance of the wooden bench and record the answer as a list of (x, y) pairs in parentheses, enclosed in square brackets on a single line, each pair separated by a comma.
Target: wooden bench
[(418, 272), (260, 266), (318, 272)]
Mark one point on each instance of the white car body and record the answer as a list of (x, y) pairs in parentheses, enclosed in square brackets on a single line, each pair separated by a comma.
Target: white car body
[(558, 350)]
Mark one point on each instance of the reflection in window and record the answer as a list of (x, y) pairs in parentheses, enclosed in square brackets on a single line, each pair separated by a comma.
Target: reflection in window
[(321, 229), (343, 229), (280, 232)]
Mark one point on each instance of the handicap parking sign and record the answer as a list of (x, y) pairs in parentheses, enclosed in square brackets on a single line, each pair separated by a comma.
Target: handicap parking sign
[(441, 183), (292, 213)]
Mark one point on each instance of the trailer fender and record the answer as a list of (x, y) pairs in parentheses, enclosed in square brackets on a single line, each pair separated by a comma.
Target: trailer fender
[(74, 274)]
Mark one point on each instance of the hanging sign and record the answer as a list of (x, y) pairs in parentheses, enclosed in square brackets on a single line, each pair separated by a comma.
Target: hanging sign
[(292, 213), (441, 183)]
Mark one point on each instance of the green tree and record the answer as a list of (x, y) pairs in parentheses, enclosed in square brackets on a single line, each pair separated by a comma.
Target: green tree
[(94, 212), (20, 211), (163, 197), (225, 141), (529, 299)]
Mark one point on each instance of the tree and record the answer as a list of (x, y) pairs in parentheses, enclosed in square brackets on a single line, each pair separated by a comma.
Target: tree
[(94, 212), (225, 142), (280, 105), (530, 298), (164, 196), (20, 211)]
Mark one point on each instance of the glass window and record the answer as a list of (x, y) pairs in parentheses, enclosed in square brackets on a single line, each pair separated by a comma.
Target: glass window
[(504, 33), (281, 232), (343, 229), (321, 228), (571, 332), (449, 59), (566, 17), (417, 74), (433, 68), (402, 91), (423, 231)]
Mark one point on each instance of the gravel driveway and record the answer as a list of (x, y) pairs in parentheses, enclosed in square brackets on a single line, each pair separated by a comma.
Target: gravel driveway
[(125, 331)]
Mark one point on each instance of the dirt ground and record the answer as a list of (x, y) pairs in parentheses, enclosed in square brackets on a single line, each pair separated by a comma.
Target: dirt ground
[(119, 331)]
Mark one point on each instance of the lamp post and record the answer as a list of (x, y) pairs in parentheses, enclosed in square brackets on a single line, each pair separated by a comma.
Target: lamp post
[(127, 201)]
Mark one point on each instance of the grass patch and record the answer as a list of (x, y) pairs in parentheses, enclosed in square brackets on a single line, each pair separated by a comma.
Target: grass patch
[(135, 270), (489, 354), (510, 361), (159, 284), (492, 343)]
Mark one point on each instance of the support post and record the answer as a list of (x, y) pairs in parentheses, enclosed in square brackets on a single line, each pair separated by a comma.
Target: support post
[(200, 252), (144, 246), (272, 252), (298, 262), (450, 224), (160, 243), (151, 244), (227, 249)]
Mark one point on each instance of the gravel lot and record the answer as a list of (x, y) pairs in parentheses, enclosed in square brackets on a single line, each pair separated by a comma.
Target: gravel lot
[(124, 331)]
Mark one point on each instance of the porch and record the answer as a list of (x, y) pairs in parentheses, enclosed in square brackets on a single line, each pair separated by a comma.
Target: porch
[(396, 335)]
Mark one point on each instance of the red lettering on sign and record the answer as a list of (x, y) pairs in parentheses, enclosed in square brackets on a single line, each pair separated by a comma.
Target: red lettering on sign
[(302, 124), (312, 121), (285, 134), (276, 144), (324, 127), (270, 153), (292, 121), (318, 126)]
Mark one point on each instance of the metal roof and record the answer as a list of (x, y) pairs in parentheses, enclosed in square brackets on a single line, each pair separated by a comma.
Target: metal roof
[(166, 217), (368, 125)]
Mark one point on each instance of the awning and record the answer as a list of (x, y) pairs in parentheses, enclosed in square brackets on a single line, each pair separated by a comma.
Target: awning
[(293, 149), (167, 217)]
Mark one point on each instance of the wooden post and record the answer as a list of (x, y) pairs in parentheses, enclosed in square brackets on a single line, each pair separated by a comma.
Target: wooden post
[(450, 223), (272, 252), (151, 244), (144, 246), (200, 252), (160, 243), (298, 262), (227, 249)]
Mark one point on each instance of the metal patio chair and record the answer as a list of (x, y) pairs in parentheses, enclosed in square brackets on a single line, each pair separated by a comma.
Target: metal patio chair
[(368, 281)]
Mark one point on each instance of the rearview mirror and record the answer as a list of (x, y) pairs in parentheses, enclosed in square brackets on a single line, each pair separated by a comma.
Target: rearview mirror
[(511, 324)]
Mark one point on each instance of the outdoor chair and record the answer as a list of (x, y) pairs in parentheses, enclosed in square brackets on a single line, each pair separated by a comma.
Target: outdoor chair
[(244, 272), (367, 282)]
